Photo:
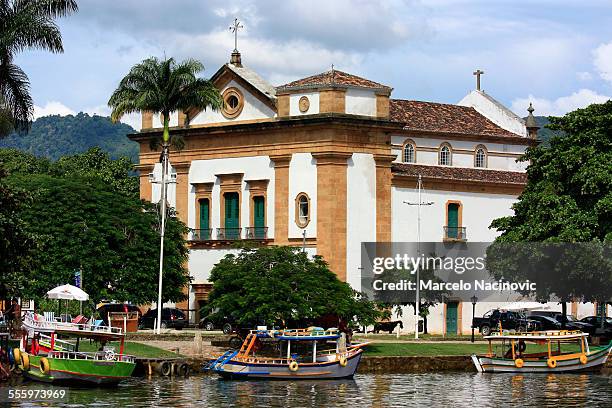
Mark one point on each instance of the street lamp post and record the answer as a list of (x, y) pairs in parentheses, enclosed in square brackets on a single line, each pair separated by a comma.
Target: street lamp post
[(417, 303), (474, 299)]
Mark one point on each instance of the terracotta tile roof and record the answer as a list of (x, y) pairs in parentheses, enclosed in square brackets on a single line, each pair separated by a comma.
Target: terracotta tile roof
[(441, 117), (460, 173), (334, 77)]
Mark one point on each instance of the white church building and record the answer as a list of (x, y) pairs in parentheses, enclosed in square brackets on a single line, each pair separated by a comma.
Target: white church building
[(329, 160)]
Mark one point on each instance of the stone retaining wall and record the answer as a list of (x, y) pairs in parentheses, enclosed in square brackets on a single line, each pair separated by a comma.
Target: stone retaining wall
[(414, 364)]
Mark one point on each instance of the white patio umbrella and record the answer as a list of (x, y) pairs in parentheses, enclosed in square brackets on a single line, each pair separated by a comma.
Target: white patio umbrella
[(67, 292)]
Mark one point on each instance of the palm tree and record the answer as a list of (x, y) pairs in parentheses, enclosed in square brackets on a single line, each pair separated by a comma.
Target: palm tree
[(163, 86), (25, 24)]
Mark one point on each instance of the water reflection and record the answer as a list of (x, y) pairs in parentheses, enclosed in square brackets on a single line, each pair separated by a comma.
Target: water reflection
[(376, 391)]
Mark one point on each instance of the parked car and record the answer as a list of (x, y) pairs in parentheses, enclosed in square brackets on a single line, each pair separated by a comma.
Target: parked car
[(574, 324), (546, 322), (510, 320), (107, 308), (596, 321), (217, 321), (171, 318)]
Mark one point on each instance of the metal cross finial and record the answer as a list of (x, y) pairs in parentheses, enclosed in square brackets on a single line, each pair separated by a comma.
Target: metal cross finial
[(478, 73), (234, 29)]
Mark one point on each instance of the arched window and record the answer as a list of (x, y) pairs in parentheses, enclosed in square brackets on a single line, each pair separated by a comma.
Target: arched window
[(445, 155), (409, 153), (302, 210), (480, 156)]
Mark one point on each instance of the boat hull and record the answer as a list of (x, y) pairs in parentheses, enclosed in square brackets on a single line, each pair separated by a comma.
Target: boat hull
[(595, 361), (306, 371), (92, 372)]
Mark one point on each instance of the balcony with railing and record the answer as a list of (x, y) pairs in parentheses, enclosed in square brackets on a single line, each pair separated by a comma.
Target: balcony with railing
[(229, 234), (201, 234), (455, 233), (256, 233)]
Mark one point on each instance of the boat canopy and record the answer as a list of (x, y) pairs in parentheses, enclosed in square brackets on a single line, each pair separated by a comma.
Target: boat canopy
[(38, 324), (539, 335), (310, 334)]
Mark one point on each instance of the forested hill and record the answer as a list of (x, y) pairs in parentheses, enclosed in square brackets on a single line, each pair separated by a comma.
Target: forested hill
[(56, 136), (545, 134)]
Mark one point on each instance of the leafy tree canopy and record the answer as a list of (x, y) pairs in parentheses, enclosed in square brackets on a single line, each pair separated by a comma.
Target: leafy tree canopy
[(85, 223), (567, 199), (16, 243), (272, 284), (94, 163)]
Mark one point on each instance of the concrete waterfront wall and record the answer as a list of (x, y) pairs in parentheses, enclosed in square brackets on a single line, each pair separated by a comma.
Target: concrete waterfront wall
[(414, 364)]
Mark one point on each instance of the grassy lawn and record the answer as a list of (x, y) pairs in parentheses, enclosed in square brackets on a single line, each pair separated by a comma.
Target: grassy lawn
[(436, 337), (131, 348), (424, 349)]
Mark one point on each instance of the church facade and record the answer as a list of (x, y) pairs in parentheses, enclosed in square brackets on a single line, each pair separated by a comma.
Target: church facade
[(328, 162)]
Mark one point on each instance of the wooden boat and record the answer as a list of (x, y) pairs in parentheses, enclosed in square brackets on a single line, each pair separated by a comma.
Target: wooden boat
[(328, 356), (541, 352), (43, 356)]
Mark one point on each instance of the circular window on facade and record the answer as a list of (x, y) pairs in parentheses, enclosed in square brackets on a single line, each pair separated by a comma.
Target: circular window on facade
[(304, 104), (233, 102), (302, 210)]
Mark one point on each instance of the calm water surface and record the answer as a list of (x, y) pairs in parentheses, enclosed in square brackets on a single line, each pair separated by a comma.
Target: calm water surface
[(400, 390)]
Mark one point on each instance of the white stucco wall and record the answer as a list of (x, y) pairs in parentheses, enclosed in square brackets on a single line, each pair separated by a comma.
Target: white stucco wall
[(294, 103), (360, 212), (360, 102), (253, 109), (461, 159), (157, 122), (479, 209), (253, 168), (303, 179), (495, 112)]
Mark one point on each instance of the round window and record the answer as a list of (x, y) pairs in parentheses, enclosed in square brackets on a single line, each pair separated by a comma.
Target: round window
[(233, 102)]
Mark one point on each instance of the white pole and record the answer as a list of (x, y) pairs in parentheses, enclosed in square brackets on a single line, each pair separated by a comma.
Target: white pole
[(163, 227), (417, 300)]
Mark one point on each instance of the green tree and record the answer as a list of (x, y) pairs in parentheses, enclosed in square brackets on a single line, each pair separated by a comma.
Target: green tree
[(94, 163), (85, 223), (17, 244), (567, 199), (25, 24), (272, 284)]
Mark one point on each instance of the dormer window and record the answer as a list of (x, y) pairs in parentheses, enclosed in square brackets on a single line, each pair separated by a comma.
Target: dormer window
[(445, 155)]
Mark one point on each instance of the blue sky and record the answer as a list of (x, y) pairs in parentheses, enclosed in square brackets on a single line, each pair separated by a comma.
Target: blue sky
[(556, 53)]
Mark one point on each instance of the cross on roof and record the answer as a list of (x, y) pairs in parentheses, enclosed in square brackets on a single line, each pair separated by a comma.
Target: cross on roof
[(234, 29), (478, 73)]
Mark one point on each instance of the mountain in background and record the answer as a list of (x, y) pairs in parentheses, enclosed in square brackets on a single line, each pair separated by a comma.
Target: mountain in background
[(545, 134), (56, 136)]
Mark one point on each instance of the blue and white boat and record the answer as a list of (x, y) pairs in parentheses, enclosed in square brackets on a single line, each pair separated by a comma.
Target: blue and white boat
[(328, 356)]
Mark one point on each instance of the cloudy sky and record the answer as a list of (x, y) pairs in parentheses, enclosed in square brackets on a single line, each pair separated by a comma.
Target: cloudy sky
[(556, 53)]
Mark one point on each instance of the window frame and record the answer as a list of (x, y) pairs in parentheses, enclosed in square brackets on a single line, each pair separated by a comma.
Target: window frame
[(450, 154), (485, 159), (232, 112), (298, 200), (412, 144)]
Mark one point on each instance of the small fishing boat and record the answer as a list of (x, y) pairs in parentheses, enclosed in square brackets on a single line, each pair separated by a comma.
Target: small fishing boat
[(45, 354), (312, 353), (557, 351)]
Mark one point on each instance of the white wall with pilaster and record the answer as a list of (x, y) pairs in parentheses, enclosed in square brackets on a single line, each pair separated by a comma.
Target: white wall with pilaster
[(156, 187), (303, 179), (294, 103), (360, 212)]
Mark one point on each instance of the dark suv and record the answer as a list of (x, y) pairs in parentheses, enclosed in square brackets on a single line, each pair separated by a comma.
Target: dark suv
[(171, 318), (217, 321), (107, 308)]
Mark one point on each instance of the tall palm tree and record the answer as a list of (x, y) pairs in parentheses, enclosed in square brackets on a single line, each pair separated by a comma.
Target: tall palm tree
[(163, 86), (25, 24)]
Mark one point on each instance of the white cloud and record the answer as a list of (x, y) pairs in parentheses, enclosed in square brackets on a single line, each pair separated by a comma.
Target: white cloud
[(52, 108), (603, 60), (559, 106)]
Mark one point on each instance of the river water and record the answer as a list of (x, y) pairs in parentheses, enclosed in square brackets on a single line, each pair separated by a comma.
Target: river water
[(366, 390)]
